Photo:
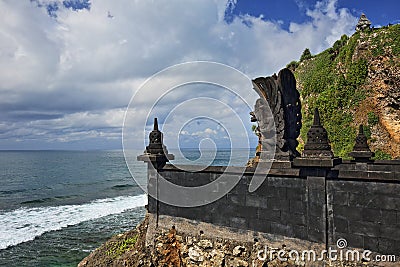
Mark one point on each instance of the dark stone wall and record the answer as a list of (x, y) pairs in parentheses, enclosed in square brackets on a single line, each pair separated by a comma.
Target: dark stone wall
[(320, 205), (365, 210)]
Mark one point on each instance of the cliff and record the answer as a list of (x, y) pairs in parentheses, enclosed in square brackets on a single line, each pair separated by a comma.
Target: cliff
[(180, 242), (356, 81)]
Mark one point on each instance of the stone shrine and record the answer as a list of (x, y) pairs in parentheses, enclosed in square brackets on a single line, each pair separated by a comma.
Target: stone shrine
[(363, 23)]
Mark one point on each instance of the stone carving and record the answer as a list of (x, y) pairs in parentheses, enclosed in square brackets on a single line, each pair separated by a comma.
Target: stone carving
[(156, 152), (361, 151), (317, 145), (156, 141), (317, 151), (363, 23), (283, 99)]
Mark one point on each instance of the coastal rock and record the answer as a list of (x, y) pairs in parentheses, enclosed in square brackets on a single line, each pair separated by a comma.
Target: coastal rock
[(83, 263), (190, 240), (239, 250), (236, 262), (204, 243), (171, 248), (217, 258), (196, 254)]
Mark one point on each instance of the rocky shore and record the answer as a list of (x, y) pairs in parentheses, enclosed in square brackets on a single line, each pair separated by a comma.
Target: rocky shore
[(180, 242)]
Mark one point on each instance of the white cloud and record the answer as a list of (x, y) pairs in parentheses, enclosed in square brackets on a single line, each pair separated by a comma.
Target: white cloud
[(205, 134), (78, 71)]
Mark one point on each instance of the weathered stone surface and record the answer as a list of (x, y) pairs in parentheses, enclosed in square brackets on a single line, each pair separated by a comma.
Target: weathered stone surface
[(196, 254), (205, 243), (235, 262), (279, 96), (217, 257), (238, 251), (317, 145), (179, 247), (296, 206)]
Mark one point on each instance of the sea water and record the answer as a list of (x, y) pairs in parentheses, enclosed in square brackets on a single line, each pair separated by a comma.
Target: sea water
[(58, 206)]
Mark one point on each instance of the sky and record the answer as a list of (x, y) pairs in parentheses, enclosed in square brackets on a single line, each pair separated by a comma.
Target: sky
[(68, 69)]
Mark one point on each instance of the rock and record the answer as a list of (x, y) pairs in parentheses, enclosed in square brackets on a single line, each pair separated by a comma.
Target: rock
[(179, 238), (189, 240), (236, 262), (83, 263), (205, 243), (159, 247), (217, 258), (184, 250), (196, 254), (238, 250)]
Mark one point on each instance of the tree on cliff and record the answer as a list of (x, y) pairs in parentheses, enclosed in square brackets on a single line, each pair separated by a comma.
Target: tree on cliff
[(306, 55)]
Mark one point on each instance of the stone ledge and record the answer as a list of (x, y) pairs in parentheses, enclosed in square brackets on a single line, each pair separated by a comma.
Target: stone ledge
[(231, 170), (316, 162)]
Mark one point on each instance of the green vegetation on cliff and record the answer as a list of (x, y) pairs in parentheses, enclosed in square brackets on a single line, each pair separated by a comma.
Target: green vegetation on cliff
[(119, 247), (335, 82)]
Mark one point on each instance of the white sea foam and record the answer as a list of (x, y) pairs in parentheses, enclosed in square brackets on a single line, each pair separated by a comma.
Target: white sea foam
[(25, 224)]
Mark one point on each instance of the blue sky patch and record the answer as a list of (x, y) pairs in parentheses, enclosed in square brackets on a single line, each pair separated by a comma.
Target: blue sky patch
[(54, 6), (77, 4), (287, 11), (52, 9)]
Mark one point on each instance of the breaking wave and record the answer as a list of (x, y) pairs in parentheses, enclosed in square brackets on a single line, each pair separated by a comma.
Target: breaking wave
[(25, 224)]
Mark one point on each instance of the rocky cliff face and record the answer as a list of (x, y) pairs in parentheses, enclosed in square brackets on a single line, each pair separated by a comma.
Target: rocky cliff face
[(184, 245), (381, 49), (357, 81), (384, 100), (176, 242)]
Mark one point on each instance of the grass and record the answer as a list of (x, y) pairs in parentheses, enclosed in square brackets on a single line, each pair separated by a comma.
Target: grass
[(118, 248)]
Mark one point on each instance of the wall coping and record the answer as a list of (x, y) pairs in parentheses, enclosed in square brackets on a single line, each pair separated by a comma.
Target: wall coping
[(383, 170), (293, 172)]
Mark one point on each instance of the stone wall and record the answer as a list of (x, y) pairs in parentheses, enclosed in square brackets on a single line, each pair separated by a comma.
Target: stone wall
[(364, 206), (356, 201)]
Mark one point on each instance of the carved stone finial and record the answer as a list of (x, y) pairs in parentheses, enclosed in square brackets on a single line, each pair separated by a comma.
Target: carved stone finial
[(363, 23), (156, 152), (155, 126), (155, 141), (317, 119), (361, 151), (317, 145)]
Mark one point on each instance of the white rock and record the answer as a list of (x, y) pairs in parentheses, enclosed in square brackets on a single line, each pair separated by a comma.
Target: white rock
[(238, 250), (205, 243), (195, 254)]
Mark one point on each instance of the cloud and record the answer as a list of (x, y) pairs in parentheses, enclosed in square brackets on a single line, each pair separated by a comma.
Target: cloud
[(70, 76)]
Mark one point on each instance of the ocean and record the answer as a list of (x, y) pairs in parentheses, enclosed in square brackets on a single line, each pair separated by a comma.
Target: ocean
[(58, 206)]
